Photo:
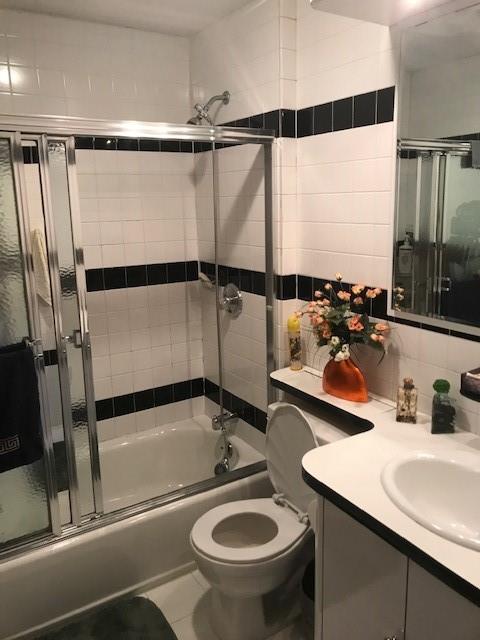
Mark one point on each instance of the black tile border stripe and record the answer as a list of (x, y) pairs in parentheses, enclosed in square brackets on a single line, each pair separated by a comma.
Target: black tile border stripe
[(451, 579), (107, 278), (252, 415), (362, 110), (176, 392), (149, 398)]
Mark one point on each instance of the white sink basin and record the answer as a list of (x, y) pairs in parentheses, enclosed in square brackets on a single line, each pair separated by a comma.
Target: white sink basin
[(439, 491)]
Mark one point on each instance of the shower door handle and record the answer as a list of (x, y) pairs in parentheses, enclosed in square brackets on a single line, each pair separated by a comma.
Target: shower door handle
[(75, 339)]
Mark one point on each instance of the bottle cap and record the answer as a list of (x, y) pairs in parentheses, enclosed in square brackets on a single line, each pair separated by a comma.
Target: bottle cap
[(293, 323), (441, 386), (408, 383)]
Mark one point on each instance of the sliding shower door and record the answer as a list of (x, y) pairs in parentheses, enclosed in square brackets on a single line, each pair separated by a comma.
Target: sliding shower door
[(28, 505), (62, 487)]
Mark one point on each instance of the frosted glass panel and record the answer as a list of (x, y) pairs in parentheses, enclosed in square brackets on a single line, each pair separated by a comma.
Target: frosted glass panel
[(23, 501), (70, 317)]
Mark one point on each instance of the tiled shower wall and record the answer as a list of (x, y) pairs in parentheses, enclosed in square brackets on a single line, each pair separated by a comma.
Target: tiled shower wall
[(57, 66), (139, 234)]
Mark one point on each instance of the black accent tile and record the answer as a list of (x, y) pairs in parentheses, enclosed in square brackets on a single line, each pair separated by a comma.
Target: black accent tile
[(287, 287), (257, 122), (35, 159), (243, 123), (222, 275), (157, 274), (258, 283), (385, 104), (379, 306), (144, 400), (305, 122), (192, 270), (260, 420), (287, 123), (108, 144), (137, 276), (115, 278), (246, 281), (272, 121), (197, 387), (176, 272), (465, 336), (200, 147), (186, 147), (364, 109), (123, 404), (227, 398), (323, 118), (83, 142), (435, 329), (172, 146), (127, 144), (163, 395), (50, 357), (234, 276), (304, 287), (182, 390), (145, 144), (343, 114), (95, 281), (104, 409), (27, 155), (405, 321)]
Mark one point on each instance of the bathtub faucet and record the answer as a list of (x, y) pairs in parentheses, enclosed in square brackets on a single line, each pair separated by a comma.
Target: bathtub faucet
[(220, 422)]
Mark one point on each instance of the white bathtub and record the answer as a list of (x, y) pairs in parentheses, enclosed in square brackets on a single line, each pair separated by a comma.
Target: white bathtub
[(67, 577), (152, 463)]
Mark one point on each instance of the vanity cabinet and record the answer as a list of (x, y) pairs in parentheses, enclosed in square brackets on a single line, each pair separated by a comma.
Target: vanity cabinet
[(368, 590)]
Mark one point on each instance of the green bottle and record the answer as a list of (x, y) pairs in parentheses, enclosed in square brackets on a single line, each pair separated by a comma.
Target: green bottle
[(443, 411)]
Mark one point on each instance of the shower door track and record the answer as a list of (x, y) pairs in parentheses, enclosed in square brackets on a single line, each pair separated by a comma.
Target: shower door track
[(53, 126)]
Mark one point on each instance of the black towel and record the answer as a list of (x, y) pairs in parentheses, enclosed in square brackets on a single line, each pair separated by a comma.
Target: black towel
[(20, 423)]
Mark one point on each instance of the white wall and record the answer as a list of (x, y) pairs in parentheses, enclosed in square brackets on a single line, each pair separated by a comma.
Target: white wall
[(68, 67), (346, 204)]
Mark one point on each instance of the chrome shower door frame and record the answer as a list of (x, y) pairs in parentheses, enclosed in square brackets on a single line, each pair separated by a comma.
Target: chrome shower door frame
[(65, 128), (36, 335)]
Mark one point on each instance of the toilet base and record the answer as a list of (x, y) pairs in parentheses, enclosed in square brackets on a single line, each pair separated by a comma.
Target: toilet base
[(255, 618)]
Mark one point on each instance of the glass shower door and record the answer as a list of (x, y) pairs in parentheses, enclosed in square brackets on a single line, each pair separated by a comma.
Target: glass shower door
[(28, 497)]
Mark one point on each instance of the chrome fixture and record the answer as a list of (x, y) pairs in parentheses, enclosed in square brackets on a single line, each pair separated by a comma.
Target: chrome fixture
[(232, 300), (219, 422), (203, 109), (206, 280), (228, 455)]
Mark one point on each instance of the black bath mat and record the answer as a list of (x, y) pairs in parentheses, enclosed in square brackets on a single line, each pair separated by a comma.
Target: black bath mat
[(135, 619)]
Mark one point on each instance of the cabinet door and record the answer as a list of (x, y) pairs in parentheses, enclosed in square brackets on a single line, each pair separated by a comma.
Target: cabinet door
[(436, 612), (364, 581)]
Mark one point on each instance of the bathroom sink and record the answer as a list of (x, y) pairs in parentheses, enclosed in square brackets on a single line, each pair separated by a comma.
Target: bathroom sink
[(440, 491)]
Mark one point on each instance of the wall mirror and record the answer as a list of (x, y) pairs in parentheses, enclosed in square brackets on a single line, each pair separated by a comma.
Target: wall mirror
[(436, 266)]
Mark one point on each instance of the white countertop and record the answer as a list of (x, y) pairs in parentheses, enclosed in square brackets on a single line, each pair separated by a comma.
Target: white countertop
[(351, 468)]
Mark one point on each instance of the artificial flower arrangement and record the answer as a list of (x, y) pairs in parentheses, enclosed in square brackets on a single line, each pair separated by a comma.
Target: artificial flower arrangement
[(339, 319)]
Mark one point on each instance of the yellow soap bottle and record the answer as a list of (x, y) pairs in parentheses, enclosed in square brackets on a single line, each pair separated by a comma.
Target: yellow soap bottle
[(294, 342)]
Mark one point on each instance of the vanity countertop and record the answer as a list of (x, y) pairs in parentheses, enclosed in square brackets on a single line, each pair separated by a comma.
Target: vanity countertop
[(347, 472)]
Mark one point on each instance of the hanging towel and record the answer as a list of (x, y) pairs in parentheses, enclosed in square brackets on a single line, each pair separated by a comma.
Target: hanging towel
[(20, 424), (40, 266)]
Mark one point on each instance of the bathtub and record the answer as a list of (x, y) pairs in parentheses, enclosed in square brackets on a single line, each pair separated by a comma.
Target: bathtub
[(130, 554), (152, 463)]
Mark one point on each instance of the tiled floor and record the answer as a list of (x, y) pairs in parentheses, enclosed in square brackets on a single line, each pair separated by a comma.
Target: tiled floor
[(184, 602)]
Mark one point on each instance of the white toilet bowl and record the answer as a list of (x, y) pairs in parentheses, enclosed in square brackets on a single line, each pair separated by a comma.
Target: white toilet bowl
[(254, 552)]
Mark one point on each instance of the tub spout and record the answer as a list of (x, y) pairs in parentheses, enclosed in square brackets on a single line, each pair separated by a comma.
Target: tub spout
[(221, 421)]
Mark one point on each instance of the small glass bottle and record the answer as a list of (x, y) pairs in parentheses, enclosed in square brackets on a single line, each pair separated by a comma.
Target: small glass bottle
[(443, 411), (407, 402), (294, 343)]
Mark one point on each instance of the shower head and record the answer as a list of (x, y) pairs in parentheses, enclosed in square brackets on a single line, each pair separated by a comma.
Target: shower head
[(203, 109)]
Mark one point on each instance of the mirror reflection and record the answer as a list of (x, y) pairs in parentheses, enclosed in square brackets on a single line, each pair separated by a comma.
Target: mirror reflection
[(437, 231)]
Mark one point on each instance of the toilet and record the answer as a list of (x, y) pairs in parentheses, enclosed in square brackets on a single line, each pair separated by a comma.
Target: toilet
[(254, 552)]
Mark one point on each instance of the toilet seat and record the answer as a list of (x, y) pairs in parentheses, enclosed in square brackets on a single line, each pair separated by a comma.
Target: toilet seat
[(289, 531)]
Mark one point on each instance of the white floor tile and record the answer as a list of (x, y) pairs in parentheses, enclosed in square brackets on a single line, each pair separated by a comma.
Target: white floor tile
[(178, 598), (196, 626), (200, 579)]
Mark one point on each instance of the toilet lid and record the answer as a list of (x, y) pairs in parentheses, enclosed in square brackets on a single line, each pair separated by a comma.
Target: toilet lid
[(289, 437)]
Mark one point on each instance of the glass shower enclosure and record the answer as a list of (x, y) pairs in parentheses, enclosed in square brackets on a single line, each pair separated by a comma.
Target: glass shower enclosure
[(50, 458)]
